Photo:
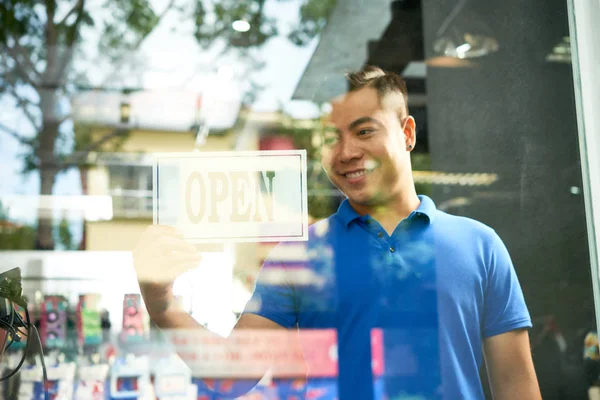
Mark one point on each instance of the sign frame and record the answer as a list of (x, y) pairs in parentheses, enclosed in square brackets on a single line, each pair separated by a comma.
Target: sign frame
[(302, 160)]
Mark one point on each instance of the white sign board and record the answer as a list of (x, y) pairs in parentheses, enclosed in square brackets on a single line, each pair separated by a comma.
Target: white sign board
[(257, 196)]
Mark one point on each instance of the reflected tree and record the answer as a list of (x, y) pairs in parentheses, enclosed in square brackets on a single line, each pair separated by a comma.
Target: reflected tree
[(43, 62), (14, 236)]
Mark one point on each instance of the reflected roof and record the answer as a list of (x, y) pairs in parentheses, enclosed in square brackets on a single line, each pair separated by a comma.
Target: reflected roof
[(342, 47)]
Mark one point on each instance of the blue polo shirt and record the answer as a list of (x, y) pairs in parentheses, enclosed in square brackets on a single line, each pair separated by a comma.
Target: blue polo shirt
[(436, 287)]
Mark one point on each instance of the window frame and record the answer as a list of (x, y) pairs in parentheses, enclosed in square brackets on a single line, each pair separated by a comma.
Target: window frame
[(583, 27)]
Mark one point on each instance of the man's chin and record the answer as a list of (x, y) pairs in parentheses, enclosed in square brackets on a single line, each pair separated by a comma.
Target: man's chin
[(366, 200), (365, 197)]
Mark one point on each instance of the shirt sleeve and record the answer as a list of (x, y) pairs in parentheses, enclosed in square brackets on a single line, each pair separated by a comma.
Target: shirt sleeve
[(504, 304), (274, 295)]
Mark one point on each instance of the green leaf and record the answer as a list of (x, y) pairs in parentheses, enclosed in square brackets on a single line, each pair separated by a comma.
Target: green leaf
[(18, 18), (17, 237), (64, 234), (132, 21)]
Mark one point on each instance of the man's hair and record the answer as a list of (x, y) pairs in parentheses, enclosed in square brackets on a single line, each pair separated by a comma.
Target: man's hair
[(382, 81)]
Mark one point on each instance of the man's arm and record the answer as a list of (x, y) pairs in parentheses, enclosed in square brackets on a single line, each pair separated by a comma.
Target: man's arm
[(160, 256), (164, 312), (510, 367)]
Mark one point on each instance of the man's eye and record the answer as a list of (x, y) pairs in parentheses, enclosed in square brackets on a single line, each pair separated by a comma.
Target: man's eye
[(365, 131)]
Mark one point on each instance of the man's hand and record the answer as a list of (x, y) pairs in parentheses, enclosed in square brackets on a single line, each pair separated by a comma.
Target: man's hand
[(160, 256)]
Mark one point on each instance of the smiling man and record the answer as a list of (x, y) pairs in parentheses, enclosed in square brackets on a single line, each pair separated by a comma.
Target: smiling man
[(441, 288)]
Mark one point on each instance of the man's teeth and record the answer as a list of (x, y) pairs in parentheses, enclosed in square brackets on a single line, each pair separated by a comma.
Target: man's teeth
[(357, 174)]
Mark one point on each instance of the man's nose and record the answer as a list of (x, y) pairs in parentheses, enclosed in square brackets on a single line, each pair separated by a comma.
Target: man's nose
[(349, 151)]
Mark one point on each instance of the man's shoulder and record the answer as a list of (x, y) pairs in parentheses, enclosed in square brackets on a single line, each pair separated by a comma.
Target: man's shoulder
[(470, 239), (463, 228), (321, 229)]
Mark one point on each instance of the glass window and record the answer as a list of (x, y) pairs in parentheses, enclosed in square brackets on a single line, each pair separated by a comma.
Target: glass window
[(406, 187), (131, 189)]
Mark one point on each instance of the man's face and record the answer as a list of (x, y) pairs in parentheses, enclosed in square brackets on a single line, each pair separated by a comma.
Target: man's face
[(364, 147)]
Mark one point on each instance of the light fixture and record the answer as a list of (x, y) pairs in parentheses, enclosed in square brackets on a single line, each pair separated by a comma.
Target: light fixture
[(125, 111), (561, 53), (463, 35), (241, 25), (463, 49)]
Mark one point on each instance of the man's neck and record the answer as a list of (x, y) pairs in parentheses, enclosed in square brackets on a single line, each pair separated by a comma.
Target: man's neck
[(390, 214)]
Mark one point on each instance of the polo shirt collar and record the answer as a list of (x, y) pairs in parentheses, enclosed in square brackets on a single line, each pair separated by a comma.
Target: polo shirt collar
[(426, 208)]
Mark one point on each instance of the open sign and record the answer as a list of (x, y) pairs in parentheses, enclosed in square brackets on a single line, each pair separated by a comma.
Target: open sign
[(233, 196)]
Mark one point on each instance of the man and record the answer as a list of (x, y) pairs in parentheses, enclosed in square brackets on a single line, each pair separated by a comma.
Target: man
[(442, 288)]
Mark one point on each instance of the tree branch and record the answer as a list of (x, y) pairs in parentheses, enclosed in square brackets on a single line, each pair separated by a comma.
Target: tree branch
[(119, 63), (51, 43), (26, 58), (63, 119), (15, 135), (72, 31), (98, 143), (71, 11), (22, 103), (75, 159), (63, 63), (51, 35), (71, 37), (22, 100), (20, 68)]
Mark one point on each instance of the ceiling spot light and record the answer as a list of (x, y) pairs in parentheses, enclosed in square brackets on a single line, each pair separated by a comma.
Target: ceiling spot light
[(241, 25)]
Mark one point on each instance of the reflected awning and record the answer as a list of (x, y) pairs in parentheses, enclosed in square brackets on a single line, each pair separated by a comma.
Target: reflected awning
[(342, 48)]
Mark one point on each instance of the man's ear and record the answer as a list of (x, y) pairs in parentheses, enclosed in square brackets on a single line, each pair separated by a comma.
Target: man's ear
[(409, 128)]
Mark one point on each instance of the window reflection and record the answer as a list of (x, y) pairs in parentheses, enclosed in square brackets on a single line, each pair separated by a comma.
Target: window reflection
[(130, 187), (391, 305)]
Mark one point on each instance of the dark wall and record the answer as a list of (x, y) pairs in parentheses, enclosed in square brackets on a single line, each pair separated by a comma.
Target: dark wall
[(514, 115)]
